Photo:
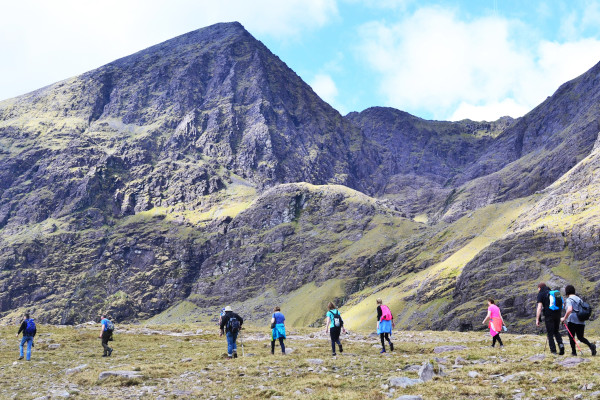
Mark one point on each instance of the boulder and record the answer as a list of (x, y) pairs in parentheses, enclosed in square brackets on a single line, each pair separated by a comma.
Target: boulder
[(426, 372), (537, 357), (404, 382), (120, 374), (572, 362), (76, 369), (443, 349)]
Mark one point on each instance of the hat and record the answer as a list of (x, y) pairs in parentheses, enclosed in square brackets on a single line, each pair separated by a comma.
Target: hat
[(227, 308)]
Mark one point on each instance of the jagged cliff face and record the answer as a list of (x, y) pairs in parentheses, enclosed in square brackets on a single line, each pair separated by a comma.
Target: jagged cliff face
[(203, 170)]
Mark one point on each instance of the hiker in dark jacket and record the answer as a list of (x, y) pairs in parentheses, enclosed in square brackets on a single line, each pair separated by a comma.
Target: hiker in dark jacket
[(574, 324), (551, 318), (106, 334), (29, 330), (231, 324)]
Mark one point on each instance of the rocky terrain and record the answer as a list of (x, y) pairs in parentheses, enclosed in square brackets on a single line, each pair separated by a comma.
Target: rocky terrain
[(189, 361), (203, 171)]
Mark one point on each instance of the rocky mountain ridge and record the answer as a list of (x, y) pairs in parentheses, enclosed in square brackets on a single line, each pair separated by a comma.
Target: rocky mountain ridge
[(203, 170)]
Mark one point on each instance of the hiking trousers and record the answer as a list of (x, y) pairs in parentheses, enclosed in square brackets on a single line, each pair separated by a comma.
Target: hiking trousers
[(383, 337), (29, 341), (552, 325), (280, 343), (577, 330), (334, 334), (231, 342), (105, 338), (496, 338)]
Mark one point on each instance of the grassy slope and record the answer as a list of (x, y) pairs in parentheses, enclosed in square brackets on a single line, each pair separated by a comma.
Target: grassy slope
[(424, 294)]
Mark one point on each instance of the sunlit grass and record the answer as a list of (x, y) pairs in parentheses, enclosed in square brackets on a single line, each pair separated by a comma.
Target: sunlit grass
[(189, 361)]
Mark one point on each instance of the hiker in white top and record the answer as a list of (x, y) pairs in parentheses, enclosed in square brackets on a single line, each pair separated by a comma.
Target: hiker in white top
[(575, 326)]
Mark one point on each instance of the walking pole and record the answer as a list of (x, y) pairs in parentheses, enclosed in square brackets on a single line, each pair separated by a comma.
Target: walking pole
[(572, 337), (242, 344)]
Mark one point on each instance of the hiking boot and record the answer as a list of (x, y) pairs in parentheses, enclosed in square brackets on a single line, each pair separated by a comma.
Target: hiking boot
[(235, 354), (273, 352), (391, 346), (104, 355), (593, 348), (333, 354), (341, 349), (20, 358), (109, 352), (382, 351), (573, 353), (562, 351)]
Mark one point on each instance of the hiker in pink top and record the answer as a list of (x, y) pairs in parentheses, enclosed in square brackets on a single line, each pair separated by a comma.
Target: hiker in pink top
[(496, 322)]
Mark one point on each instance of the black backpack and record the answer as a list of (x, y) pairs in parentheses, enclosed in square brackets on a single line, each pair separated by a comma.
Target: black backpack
[(585, 311), (233, 324), (338, 322)]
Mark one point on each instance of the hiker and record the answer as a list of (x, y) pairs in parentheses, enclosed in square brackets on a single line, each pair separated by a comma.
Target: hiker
[(496, 322), (29, 330), (106, 334), (334, 325), (221, 315), (574, 324), (231, 324), (550, 302), (385, 323), (278, 330)]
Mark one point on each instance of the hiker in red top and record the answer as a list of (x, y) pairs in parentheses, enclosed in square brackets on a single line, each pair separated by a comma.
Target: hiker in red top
[(385, 323), (496, 322)]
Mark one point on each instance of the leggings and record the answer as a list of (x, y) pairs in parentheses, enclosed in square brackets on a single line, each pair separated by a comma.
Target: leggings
[(577, 330), (385, 336), (496, 338), (280, 343), (334, 334)]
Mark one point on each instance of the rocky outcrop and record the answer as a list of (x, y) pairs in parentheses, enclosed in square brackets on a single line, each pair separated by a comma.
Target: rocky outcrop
[(204, 166)]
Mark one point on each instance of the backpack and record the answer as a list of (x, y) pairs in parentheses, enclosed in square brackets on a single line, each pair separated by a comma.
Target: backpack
[(386, 313), (233, 324), (556, 302), (30, 330), (338, 322), (109, 325), (585, 311)]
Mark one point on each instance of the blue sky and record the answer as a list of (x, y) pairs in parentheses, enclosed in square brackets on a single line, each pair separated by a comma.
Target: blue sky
[(435, 59)]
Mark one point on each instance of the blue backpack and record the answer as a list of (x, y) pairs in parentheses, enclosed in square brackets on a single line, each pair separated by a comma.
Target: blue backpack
[(30, 330), (556, 302)]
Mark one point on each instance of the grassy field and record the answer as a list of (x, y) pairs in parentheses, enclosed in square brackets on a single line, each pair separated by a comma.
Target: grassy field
[(189, 361)]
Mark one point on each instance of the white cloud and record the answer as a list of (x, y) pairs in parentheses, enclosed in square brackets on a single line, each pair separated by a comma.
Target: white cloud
[(326, 88), (383, 4), (488, 112), (433, 62), (42, 42)]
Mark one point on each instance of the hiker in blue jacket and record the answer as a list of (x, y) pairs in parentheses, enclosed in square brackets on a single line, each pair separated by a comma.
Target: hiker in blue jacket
[(278, 330), (334, 325), (106, 334), (29, 330)]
